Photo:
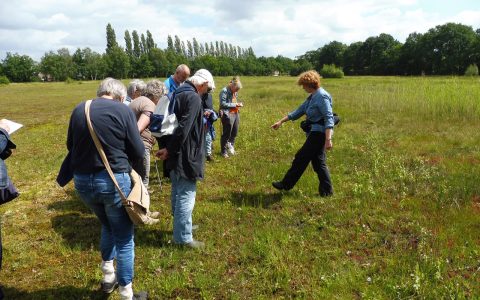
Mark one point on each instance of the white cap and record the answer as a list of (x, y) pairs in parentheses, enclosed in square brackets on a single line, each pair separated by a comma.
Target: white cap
[(205, 75)]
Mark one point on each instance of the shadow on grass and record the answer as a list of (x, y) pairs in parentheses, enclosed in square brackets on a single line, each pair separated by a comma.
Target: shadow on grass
[(78, 231), (80, 228), (64, 292), (73, 204), (257, 199), (152, 237)]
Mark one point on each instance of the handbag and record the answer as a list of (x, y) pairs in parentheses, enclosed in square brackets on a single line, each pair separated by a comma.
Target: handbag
[(137, 203), (9, 193), (306, 125)]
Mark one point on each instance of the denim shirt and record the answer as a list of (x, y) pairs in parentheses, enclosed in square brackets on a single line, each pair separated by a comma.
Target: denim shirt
[(316, 107), (226, 97), (170, 85)]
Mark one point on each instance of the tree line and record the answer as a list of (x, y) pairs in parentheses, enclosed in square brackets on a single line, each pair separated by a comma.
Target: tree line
[(447, 49)]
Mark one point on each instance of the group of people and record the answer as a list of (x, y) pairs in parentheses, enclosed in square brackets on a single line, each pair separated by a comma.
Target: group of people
[(120, 118), (127, 141)]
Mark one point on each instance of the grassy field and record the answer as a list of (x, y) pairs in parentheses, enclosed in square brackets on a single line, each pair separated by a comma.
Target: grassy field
[(404, 222)]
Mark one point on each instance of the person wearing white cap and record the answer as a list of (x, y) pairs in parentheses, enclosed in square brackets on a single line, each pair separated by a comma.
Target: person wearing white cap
[(185, 154)]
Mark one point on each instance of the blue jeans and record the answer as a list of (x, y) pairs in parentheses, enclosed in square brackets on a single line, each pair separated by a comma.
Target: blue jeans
[(183, 201), (208, 143), (99, 193)]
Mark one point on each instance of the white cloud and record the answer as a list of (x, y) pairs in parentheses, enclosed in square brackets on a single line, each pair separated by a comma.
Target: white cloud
[(283, 27)]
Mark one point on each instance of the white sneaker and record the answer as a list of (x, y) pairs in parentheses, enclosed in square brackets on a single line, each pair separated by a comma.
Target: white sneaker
[(230, 149)]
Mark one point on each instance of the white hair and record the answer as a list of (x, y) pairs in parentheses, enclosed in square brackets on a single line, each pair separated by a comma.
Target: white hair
[(136, 85), (154, 89), (197, 80), (112, 87)]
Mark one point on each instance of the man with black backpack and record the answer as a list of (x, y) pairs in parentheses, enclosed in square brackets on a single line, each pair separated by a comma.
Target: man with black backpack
[(185, 154)]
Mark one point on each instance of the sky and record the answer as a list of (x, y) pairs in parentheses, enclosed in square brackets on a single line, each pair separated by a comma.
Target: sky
[(282, 27)]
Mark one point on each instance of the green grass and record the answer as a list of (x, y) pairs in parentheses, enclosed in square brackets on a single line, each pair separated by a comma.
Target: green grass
[(403, 222)]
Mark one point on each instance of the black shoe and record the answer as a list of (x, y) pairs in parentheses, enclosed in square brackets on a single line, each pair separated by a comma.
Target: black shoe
[(278, 185), (107, 287), (209, 158), (140, 296)]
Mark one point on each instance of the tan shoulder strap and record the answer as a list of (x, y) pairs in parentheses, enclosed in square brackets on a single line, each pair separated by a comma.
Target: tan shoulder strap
[(98, 144)]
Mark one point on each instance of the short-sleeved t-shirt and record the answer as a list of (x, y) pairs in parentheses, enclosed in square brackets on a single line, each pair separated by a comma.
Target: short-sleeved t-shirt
[(143, 105)]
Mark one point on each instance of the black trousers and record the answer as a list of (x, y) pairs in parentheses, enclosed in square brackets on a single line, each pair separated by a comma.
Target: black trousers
[(313, 150), (230, 123)]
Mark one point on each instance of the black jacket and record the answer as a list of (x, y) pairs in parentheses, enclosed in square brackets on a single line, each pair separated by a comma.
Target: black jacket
[(186, 146)]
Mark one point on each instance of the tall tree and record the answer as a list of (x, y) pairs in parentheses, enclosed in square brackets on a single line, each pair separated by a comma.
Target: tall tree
[(212, 49), (448, 48), (196, 48), (411, 61), (128, 44), (111, 38), (189, 50), (331, 53), (78, 59), (207, 48), (184, 50), (222, 48), (143, 44), (18, 68), (136, 44), (58, 65), (352, 61), (118, 63), (150, 42), (170, 44), (95, 64), (178, 45)]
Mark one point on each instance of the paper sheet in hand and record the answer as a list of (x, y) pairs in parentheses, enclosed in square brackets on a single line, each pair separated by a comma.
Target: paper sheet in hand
[(12, 126)]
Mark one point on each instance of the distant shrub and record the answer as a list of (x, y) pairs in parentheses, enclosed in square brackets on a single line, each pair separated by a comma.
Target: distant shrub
[(4, 80), (35, 79), (472, 70), (69, 80), (331, 71)]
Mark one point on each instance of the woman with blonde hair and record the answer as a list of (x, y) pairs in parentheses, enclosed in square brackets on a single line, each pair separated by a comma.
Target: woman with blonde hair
[(318, 110), (229, 112)]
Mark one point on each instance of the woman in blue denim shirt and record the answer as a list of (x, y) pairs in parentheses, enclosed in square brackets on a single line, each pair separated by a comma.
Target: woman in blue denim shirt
[(318, 110)]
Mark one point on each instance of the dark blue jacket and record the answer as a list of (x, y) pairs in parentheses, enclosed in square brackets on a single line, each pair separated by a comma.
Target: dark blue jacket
[(186, 153)]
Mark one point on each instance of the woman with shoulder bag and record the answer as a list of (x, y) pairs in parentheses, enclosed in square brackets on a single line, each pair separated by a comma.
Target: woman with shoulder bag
[(318, 110), (116, 127)]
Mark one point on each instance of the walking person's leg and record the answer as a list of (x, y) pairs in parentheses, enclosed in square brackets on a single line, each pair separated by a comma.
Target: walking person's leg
[(302, 158), (319, 163), (185, 201)]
